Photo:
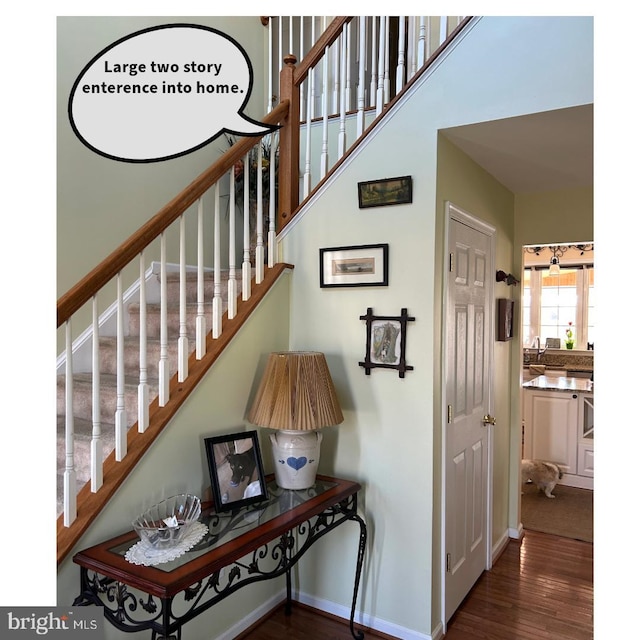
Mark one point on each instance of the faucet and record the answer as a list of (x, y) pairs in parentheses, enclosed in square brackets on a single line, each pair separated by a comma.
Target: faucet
[(540, 350)]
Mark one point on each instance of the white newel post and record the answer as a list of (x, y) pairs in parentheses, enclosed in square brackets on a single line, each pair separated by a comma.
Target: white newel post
[(143, 384), (217, 297), (121, 414), (183, 340), (163, 364), (232, 284), (69, 479), (96, 429), (201, 321)]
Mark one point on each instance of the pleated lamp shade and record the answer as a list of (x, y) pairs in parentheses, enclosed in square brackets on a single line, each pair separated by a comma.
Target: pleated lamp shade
[(297, 397), (296, 393)]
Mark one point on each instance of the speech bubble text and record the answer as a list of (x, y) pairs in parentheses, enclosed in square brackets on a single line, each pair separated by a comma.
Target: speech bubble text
[(163, 92)]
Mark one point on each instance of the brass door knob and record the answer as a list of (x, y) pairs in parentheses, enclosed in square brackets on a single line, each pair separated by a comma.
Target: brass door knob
[(488, 420)]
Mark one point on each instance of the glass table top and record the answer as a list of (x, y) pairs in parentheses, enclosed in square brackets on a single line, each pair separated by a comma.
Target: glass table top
[(226, 526)]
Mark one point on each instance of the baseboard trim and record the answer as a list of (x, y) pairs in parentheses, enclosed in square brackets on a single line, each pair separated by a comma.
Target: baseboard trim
[(517, 533), (365, 620), (500, 546), (255, 616)]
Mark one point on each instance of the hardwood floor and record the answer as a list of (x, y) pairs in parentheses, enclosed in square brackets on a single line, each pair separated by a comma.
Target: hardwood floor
[(541, 589)]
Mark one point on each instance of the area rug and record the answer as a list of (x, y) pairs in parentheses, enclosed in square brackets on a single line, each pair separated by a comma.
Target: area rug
[(570, 515)]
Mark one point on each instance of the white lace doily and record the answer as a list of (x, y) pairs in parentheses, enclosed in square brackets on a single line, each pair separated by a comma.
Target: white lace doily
[(142, 553)]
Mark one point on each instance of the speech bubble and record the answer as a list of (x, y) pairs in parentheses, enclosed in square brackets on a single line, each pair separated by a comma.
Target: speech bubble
[(163, 92)]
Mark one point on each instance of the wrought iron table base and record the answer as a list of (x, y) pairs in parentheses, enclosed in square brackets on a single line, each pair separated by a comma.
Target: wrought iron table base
[(163, 616)]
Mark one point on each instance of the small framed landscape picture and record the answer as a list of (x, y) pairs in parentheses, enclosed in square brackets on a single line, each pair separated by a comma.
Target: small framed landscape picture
[(378, 193), (357, 266), (235, 467)]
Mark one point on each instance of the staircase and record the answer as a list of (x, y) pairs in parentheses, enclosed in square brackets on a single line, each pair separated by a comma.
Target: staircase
[(375, 95), (82, 382)]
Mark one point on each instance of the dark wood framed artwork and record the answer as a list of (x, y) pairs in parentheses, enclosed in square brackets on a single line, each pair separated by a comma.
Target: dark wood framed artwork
[(379, 193), (505, 319), (364, 265), (235, 467), (386, 342)]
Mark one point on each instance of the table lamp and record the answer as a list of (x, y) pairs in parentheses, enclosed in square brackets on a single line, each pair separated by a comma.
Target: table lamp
[(296, 397)]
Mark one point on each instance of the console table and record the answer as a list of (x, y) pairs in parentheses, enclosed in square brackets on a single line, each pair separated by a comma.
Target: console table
[(254, 543)]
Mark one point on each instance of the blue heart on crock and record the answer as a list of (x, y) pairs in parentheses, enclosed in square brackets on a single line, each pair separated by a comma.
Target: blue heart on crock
[(297, 463)]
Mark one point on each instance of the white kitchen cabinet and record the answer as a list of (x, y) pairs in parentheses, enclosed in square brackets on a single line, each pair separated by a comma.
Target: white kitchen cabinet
[(586, 429), (558, 427)]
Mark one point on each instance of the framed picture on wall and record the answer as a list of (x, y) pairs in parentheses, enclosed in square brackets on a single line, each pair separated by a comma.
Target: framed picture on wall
[(505, 319), (378, 193), (365, 265)]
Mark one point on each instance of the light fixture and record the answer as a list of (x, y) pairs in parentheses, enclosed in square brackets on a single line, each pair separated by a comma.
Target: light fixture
[(554, 268), (554, 263), (296, 396)]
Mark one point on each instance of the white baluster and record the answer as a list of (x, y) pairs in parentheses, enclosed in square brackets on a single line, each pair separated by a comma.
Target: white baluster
[(412, 61), (373, 86), (163, 364), (201, 321), (361, 72), (270, 78), (121, 414), (443, 29), (387, 82), (246, 236), (324, 152), (347, 65), (401, 61), (232, 283), (69, 479), (306, 185), (381, 59), (217, 287), (272, 203), (303, 95), (259, 257), (280, 51), (335, 52), (291, 34), (342, 129), (313, 72), (96, 428), (429, 41), (143, 385), (422, 43), (183, 340)]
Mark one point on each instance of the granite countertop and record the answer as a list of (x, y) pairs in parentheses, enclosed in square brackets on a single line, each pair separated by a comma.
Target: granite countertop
[(559, 383)]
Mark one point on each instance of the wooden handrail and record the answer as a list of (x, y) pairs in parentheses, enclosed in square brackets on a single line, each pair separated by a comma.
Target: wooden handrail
[(82, 292)]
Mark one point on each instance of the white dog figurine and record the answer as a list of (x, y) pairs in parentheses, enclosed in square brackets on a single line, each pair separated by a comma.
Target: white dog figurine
[(544, 475)]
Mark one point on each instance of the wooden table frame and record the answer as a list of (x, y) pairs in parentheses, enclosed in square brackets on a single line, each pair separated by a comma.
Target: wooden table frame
[(107, 579)]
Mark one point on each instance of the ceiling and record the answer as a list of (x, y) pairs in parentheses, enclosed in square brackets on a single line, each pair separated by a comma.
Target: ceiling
[(533, 153)]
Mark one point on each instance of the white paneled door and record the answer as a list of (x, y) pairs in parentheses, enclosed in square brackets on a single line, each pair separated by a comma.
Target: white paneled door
[(467, 417)]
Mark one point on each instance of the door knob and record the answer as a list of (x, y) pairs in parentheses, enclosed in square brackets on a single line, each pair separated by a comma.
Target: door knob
[(488, 420)]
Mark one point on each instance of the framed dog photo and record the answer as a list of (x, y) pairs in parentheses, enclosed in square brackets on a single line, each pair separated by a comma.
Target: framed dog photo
[(235, 467)]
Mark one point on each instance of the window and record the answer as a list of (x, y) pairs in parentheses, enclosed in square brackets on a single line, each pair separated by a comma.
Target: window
[(551, 302)]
